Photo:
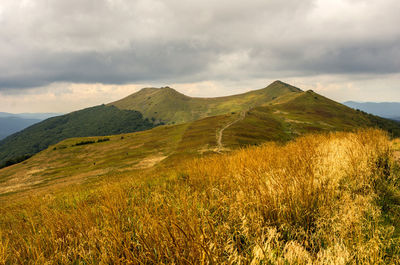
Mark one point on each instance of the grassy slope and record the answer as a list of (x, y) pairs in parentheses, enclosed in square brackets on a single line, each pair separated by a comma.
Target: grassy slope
[(322, 199), (293, 115), (66, 163), (99, 120), (170, 106), (281, 120)]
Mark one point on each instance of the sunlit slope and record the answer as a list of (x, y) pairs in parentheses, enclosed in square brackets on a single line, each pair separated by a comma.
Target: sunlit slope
[(169, 106), (280, 120)]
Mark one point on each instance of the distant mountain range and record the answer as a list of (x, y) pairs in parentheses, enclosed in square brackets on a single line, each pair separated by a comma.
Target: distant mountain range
[(11, 123), (390, 110), (37, 116)]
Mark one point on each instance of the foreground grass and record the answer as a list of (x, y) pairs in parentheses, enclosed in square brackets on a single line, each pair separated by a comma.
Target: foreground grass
[(322, 199)]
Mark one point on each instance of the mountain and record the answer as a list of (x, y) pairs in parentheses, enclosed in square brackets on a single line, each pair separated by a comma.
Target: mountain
[(158, 105), (10, 125), (38, 116), (171, 107), (99, 120), (90, 158), (390, 110)]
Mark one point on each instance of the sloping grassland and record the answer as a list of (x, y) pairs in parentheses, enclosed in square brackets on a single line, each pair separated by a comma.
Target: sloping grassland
[(321, 199)]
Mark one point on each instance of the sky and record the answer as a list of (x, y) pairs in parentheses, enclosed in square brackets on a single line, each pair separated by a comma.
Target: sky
[(64, 55)]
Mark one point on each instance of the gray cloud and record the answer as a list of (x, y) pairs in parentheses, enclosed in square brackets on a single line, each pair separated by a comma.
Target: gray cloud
[(117, 42)]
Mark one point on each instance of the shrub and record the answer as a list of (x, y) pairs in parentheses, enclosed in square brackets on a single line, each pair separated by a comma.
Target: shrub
[(84, 143), (15, 160)]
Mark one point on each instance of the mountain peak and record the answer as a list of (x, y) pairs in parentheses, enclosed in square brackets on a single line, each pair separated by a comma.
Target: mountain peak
[(156, 90), (280, 84)]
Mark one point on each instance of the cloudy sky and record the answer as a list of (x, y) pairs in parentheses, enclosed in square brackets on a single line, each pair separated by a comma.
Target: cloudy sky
[(62, 55)]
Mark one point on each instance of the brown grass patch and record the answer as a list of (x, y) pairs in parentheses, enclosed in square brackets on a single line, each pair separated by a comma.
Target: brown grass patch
[(149, 162)]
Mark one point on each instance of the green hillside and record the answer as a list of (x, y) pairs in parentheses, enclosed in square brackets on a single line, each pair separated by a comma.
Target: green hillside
[(99, 120), (280, 120), (171, 107), (158, 106), (288, 117)]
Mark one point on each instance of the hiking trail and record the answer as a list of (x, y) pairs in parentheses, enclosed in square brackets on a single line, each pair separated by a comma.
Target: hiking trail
[(220, 146)]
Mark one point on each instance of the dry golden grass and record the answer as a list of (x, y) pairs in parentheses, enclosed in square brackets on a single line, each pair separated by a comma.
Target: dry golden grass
[(322, 199), (396, 148)]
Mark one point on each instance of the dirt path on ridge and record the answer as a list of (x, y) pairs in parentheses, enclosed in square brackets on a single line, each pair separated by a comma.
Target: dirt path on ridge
[(220, 146)]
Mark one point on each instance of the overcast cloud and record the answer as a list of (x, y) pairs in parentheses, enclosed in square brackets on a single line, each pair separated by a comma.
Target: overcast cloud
[(207, 47)]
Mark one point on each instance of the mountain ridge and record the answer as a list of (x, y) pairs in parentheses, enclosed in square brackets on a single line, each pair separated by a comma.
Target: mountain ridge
[(172, 107)]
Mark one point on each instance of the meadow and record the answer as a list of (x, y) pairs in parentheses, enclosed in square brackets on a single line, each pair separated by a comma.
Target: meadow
[(330, 198)]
